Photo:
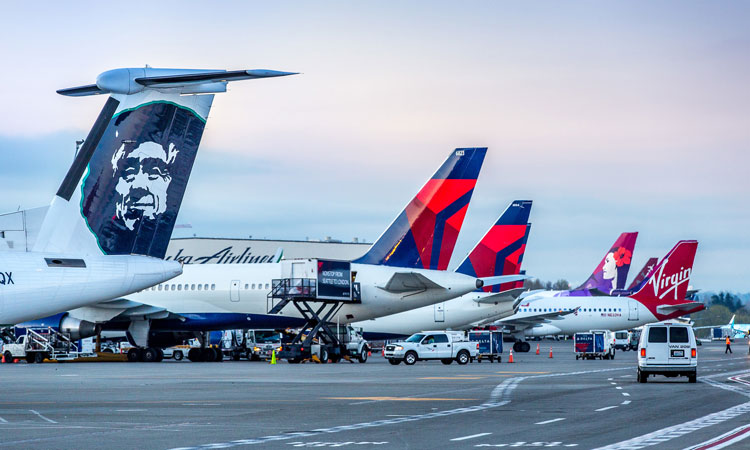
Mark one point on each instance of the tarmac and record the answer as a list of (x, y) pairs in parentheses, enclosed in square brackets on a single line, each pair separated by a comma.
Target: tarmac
[(534, 402)]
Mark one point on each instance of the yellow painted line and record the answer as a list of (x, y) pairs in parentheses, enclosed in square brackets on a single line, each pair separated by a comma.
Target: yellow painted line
[(400, 399), (523, 372), (450, 378)]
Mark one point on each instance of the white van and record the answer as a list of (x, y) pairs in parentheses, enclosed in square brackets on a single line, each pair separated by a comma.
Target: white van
[(667, 349), (622, 340)]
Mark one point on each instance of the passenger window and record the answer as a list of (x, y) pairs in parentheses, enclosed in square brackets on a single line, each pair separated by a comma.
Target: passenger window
[(213, 287), (200, 286), (253, 285), (678, 335), (441, 339), (205, 287), (173, 287), (246, 286), (657, 335), (192, 287), (179, 287), (428, 340), (160, 287), (267, 286)]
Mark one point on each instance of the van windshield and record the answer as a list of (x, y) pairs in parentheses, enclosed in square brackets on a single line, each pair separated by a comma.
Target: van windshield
[(678, 335), (657, 334)]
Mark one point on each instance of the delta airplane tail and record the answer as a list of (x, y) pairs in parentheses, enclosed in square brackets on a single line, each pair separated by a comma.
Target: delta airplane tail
[(665, 288), (501, 250), (647, 268), (424, 234), (124, 189), (612, 271)]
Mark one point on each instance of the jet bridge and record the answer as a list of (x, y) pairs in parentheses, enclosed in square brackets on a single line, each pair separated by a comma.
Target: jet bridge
[(318, 289)]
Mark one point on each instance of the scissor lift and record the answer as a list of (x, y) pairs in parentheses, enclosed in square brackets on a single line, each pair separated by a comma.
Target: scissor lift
[(317, 312)]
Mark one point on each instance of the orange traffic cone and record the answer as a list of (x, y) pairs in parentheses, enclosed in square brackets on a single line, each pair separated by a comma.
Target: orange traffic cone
[(3, 358), (510, 360), (550, 352), (537, 349)]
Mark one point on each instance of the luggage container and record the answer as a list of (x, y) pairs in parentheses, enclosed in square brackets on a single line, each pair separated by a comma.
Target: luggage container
[(490, 344), (594, 344)]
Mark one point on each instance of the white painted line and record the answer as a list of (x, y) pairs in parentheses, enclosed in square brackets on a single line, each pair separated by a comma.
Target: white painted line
[(3, 420), (42, 417), (626, 402), (130, 410), (613, 383), (618, 387), (625, 394), (625, 376), (610, 379), (725, 440), (470, 437), (606, 408), (550, 421)]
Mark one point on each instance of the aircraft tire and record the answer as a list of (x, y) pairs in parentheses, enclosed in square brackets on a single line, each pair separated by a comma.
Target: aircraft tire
[(194, 355), (134, 355), (149, 355), (525, 347), (159, 355)]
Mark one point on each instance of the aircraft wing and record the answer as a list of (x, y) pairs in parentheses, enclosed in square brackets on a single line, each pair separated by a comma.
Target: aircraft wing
[(408, 282), (668, 309), (504, 296), (120, 308), (527, 321)]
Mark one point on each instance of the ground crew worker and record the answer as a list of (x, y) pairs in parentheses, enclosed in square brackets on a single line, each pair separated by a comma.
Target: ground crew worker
[(729, 347)]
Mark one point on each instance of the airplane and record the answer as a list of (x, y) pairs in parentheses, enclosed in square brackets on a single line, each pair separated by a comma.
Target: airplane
[(661, 296), (499, 252), (106, 231), (733, 330), (403, 269)]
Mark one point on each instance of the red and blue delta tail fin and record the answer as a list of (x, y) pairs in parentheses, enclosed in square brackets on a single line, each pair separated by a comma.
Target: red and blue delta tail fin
[(500, 251), (612, 271), (424, 234), (669, 280), (647, 268)]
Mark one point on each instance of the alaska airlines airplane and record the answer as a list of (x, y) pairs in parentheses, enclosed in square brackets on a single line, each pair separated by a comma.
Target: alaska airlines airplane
[(499, 252), (108, 227), (661, 296), (734, 330), (404, 269)]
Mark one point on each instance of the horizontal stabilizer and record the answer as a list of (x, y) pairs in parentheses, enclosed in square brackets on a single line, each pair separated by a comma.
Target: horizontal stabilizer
[(82, 91), (408, 282), (668, 309), (234, 75), (505, 296), (492, 281)]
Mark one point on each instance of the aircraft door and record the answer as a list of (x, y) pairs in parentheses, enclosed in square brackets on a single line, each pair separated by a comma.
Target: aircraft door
[(439, 312), (234, 291), (632, 310)]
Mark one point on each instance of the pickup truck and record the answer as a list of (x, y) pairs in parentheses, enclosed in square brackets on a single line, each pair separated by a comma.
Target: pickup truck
[(447, 347)]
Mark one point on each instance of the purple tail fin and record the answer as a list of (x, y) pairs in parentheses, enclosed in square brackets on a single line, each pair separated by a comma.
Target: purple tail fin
[(612, 271)]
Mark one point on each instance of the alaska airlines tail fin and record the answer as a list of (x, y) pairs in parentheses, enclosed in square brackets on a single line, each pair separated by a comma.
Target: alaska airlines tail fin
[(669, 280), (500, 251), (731, 322), (612, 271), (123, 191), (424, 234), (647, 268)]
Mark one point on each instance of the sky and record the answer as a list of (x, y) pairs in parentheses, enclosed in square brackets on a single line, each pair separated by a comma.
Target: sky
[(611, 116)]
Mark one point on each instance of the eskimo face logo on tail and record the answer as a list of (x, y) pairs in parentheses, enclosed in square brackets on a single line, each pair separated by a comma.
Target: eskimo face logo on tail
[(138, 175), (664, 284)]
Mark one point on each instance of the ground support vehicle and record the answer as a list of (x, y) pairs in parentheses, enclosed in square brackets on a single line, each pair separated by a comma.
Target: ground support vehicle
[(444, 346), (490, 344), (622, 340), (668, 349), (594, 344), (261, 344), (635, 336), (38, 344), (234, 344), (317, 299)]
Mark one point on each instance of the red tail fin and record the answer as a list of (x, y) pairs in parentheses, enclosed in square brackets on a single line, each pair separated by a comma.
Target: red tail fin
[(669, 280)]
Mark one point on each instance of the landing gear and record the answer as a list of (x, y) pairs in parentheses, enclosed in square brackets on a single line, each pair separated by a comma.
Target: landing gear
[(149, 354), (521, 347)]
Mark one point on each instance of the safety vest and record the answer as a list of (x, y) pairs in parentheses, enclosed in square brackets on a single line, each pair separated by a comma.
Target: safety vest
[(727, 340)]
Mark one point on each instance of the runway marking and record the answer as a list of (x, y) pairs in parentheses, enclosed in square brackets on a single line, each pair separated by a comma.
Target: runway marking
[(42, 417), (500, 396), (619, 387), (740, 433), (201, 404), (626, 402), (606, 408), (3, 420), (464, 438), (450, 378), (625, 394), (610, 379), (130, 410), (550, 421), (612, 383), (533, 373), (625, 376), (659, 437), (739, 379), (400, 399)]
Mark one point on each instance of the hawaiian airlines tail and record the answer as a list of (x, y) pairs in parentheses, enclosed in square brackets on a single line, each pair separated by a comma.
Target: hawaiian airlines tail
[(647, 268), (501, 250), (612, 271), (665, 288), (424, 234), (125, 186)]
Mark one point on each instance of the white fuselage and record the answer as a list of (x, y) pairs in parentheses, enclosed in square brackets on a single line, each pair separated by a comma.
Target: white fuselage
[(37, 284), (243, 288), (456, 314), (595, 313)]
